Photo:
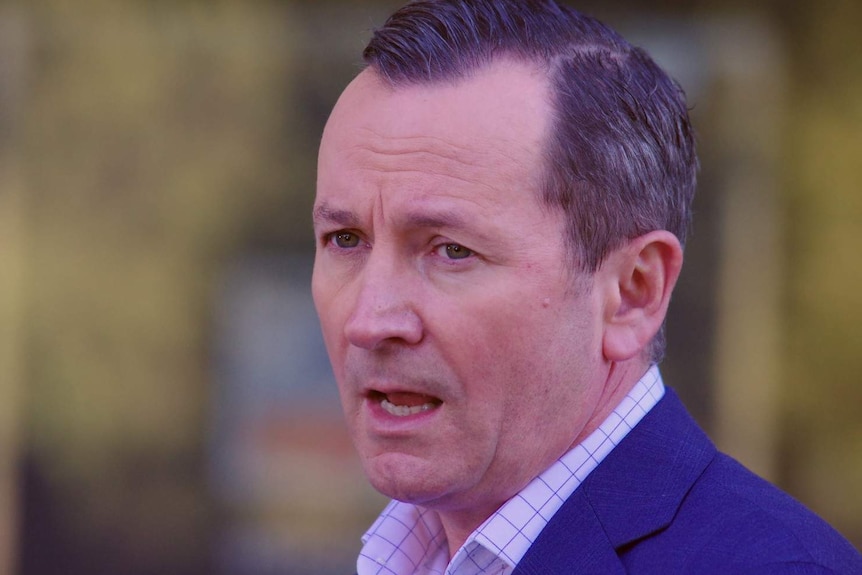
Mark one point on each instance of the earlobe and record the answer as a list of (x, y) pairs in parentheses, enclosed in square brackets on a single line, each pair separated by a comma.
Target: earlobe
[(640, 277)]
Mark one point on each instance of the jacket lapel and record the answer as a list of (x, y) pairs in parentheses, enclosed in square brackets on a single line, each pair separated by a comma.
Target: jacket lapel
[(573, 542), (633, 493)]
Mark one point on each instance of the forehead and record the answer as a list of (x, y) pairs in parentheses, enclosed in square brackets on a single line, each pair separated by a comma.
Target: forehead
[(482, 129), (507, 91)]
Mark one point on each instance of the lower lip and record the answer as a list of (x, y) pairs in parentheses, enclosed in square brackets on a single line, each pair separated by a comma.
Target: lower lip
[(383, 421)]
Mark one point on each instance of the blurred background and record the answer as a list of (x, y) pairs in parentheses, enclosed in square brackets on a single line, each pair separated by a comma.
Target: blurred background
[(166, 406)]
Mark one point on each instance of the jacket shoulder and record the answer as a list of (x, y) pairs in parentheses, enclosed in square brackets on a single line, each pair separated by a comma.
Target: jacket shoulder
[(732, 521)]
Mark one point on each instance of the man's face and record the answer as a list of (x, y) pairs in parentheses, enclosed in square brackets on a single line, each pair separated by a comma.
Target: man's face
[(466, 356)]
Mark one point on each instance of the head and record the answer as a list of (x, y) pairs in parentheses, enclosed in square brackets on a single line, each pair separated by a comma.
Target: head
[(495, 243), (620, 157)]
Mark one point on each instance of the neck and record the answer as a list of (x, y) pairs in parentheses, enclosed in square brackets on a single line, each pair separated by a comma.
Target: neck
[(458, 528), (621, 378)]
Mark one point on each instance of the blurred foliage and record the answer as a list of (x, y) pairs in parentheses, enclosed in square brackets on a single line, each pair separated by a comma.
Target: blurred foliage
[(158, 139)]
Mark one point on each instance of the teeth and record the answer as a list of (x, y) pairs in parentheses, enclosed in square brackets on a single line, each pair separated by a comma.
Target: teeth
[(403, 410)]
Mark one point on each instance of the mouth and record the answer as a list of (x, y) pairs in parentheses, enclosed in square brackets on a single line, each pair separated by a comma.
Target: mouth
[(404, 404)]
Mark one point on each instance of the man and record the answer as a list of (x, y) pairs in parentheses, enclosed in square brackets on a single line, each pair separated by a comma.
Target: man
[(503, 196)]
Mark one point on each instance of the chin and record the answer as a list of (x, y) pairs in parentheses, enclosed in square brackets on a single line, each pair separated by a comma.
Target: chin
[(407, 478)]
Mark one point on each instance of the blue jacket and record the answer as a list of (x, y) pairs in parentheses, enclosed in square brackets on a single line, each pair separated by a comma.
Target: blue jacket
[(666, 502)]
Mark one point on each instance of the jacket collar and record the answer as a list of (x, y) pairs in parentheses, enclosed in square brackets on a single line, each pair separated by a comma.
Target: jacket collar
[(633, 493)]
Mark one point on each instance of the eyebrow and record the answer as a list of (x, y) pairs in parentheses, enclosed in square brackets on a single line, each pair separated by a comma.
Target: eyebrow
[(444, 219), (325, 214)]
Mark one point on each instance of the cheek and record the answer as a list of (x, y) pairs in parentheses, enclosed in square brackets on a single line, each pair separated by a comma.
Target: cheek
[(525, 360), (495, 346), (332, 329), (331, 308)]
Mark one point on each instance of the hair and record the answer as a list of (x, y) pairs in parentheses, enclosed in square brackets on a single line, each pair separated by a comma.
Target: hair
[(620, 158)]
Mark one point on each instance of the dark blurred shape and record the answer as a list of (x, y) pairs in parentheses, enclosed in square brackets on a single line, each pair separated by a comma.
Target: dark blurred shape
[(53, 544)]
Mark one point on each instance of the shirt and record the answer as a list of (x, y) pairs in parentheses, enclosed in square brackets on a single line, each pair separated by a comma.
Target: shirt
[(409, 540)]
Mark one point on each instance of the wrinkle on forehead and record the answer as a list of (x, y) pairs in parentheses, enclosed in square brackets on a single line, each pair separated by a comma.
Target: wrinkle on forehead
[(467, 153), (472, 165)]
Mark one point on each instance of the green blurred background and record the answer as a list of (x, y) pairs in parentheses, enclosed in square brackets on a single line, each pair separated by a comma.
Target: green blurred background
[(165, 403)]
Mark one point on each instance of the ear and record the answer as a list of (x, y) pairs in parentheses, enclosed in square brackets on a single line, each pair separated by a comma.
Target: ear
[(639, 278)]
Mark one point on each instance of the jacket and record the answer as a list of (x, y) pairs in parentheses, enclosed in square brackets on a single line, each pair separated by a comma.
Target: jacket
[(666, 501)]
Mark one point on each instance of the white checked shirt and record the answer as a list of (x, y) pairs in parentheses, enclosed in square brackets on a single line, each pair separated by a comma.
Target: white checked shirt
[(409, 540)]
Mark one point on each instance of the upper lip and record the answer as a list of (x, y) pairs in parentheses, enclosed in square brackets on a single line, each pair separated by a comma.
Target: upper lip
[(377, 388)]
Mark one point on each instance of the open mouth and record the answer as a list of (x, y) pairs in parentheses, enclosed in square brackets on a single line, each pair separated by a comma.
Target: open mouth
[(403, 404)]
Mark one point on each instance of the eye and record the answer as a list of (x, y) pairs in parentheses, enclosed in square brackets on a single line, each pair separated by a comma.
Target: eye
[(345, 239), (457, 251)]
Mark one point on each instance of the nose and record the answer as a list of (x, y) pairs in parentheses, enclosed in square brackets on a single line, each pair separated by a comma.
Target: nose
[(384, 311)]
